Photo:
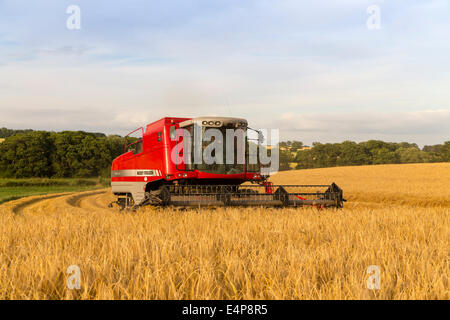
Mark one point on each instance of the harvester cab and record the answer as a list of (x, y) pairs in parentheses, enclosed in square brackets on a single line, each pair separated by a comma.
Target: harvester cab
[(206, 161)]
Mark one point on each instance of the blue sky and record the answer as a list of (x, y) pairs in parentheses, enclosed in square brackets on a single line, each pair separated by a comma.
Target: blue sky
[(310, 68)]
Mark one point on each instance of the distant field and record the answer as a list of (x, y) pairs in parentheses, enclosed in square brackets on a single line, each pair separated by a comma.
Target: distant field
[(11, 189), (422, 185), (397, 218)]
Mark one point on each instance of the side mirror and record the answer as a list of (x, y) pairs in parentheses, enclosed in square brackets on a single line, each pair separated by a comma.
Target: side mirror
[(260, 137)]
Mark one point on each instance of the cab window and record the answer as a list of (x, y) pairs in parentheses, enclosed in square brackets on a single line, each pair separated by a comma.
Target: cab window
[(139, 148), (136, 147), (173, 131)]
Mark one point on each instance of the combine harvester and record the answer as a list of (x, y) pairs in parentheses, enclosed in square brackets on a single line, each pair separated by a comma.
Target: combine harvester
[(146, 174)]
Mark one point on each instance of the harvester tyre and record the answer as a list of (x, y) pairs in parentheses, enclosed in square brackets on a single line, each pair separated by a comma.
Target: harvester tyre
[(164, 195)]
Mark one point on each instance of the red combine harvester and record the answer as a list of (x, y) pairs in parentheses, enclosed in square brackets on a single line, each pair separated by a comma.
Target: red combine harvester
[(147, 175)]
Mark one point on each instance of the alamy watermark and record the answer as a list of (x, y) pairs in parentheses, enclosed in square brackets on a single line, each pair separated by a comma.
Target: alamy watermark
[(373, 281), (74, 20), (226, 146), (74, 278), (374, 20)]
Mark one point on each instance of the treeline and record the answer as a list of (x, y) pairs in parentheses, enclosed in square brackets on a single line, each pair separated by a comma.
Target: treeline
[(5, 133), (65, 154), (350, 153), (78, 154)]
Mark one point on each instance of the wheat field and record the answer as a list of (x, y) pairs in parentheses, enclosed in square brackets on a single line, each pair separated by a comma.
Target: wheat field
[(396, 218)]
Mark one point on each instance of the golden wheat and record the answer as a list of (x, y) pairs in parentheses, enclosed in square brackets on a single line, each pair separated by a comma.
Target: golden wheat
[(397, 218)]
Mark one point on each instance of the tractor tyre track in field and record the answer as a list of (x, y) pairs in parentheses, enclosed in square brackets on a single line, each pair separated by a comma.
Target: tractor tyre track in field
[(86, 200), (21, 206)]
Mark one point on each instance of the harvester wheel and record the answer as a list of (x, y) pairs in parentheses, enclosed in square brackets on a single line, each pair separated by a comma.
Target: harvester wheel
[(164, 195), (121, 203)]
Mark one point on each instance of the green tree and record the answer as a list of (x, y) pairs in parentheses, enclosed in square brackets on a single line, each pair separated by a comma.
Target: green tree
[(26, 155), (385, 156), (285, 159), (5, 133), (438, 152), (446, 151), (80, 154), (63, 154), (353, 154), (304, 159), (411, 155), (296, 145)]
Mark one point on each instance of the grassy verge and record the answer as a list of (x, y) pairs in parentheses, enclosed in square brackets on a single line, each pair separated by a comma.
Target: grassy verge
[(12, 189)]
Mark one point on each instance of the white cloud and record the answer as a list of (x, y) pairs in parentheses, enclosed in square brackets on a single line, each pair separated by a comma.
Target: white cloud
[(312, 65), (426, 121), (423, 127)]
